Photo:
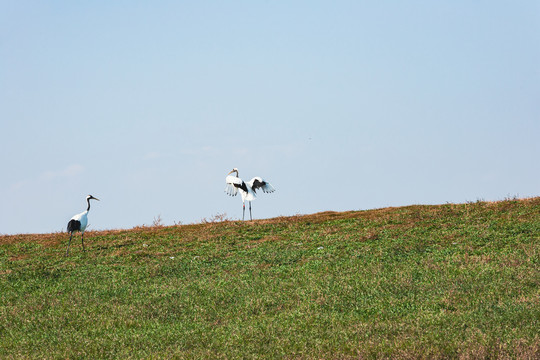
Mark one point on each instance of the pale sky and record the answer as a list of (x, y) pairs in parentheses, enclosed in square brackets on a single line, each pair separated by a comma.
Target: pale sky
[(340, 105)]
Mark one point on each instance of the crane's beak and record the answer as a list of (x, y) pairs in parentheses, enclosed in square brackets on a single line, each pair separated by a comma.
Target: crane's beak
[(94, 198), (230, 172)]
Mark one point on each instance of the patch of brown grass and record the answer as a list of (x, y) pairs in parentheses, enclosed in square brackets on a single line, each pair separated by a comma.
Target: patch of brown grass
[(19, 257), (485, 349), (47, 240), (388, 218)]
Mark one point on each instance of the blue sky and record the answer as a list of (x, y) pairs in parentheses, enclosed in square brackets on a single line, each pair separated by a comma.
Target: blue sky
[(342, 105)]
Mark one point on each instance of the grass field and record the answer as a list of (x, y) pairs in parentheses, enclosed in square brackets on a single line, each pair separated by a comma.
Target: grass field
[(447, 281)]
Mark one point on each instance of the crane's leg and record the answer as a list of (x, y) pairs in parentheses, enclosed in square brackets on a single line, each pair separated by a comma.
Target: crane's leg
[(70, 236), (250, 217), (243, 210), (82, 241)]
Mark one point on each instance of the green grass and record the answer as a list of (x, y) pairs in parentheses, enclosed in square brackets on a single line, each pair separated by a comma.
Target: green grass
[(448, 281)]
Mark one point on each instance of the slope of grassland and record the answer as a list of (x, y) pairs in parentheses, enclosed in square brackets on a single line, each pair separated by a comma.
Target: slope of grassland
[(418, 281)]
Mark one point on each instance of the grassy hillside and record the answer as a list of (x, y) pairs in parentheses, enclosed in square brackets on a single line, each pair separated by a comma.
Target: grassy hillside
[(418, 281)]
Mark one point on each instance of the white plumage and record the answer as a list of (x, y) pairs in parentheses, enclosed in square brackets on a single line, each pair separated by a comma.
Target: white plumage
[(248, 190), (79, 222), (82, 218)]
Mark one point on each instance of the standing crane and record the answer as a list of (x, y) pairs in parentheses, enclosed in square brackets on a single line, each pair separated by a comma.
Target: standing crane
[(79, 223), (247, 190)]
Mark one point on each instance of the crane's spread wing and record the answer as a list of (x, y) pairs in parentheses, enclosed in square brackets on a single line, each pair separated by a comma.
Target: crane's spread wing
[(258, 183), (233, 184)]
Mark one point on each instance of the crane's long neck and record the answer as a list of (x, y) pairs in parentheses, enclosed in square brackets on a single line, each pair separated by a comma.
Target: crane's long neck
[(88, 201)]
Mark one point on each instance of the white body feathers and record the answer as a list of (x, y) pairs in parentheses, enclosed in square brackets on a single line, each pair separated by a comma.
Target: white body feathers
[(79, 222), (247, 190), (83, 219)]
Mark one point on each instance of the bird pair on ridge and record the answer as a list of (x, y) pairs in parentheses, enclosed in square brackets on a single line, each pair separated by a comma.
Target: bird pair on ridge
[(234, 184)]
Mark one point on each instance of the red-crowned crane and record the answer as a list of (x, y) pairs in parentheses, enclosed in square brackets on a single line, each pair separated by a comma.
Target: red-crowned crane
[(247, 190), (79, 223)]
